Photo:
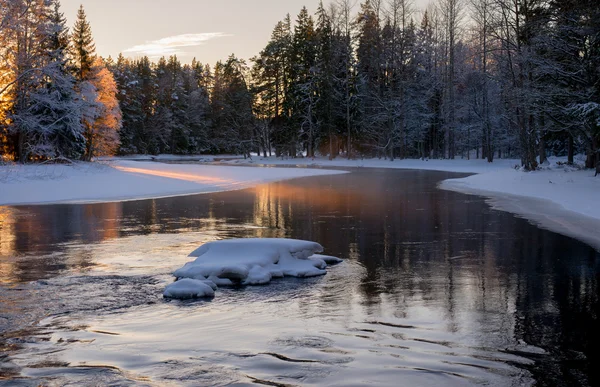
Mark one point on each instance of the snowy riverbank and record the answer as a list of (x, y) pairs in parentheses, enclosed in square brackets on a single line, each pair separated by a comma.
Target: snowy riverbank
[(560, 198), (129, 180)]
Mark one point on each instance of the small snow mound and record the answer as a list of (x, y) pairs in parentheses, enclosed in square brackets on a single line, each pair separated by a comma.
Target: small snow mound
[(189, 288), (328, 259), (251, 261)]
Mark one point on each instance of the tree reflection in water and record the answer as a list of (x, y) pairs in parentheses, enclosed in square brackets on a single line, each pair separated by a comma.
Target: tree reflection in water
[(433, 256)]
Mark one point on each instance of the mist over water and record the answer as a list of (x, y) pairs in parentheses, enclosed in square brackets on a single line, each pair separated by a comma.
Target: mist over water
[(437, 289)]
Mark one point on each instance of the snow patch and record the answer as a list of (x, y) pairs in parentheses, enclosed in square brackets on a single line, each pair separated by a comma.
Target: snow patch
[(189, 288), (250, 261), (130, 180)]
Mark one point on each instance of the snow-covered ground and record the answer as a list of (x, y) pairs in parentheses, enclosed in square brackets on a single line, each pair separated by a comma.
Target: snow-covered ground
[(127, 180), (458, 165)]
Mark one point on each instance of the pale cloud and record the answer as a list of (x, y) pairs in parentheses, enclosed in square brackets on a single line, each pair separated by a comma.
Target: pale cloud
[(173, 45)]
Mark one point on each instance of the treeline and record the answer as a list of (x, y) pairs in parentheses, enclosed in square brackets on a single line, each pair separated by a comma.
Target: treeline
[(465, 78), (57, 98), (486, 78), (184, 109)]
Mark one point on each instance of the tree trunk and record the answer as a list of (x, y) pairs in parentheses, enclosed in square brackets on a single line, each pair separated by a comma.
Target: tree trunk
[(570, 145), (542, 149), (20, 147)]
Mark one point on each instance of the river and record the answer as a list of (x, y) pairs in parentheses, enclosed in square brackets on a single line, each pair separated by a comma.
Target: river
[(437, 288)]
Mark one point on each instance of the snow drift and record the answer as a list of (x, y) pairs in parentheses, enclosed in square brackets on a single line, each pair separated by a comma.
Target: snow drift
[(251, 261)]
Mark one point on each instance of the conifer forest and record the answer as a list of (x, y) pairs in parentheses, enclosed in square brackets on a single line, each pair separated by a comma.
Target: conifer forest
[(460, 78)]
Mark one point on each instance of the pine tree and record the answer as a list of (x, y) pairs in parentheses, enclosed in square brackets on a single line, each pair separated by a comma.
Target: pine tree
[(233, 122), (62, 110), (346, 80), (129, 96), (304, 83), (197, 106), (372, 115), (146, 75), (26, 25), (84, 55), (325, 68), (84, 49), (160, 121), (271, 81)]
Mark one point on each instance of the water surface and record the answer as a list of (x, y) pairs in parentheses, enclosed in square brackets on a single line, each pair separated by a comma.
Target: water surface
[(437, 289)]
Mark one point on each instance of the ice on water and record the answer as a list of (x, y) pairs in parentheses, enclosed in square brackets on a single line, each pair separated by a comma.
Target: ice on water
[(249, 261)]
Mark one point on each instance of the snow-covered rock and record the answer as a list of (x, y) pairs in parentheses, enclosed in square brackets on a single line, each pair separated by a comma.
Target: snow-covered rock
[(189, 288), (251, 261)]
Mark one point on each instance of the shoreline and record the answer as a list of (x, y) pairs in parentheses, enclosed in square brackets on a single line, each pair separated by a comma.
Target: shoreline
[(560, 200), (120, 180), (542, 213)]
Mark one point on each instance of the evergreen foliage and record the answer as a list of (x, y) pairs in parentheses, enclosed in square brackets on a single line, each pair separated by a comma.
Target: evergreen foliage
[(472, 78)]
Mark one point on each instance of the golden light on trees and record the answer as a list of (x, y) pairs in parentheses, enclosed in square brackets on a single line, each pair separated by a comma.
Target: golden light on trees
[(5, 104)]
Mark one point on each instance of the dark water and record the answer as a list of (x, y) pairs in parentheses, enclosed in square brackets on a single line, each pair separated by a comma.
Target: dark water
[(437, 289)]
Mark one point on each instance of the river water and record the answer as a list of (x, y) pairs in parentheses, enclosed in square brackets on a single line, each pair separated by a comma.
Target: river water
[(436, 289)]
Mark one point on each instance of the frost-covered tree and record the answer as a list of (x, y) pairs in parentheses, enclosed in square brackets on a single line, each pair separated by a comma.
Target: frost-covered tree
[(233, 122), (25, 27), (569, 69), (371, 113), (129, 96), (345, 71), (40, 109), (84, 58), (196, 79), (303, 82), (60, 106), (451, 15)]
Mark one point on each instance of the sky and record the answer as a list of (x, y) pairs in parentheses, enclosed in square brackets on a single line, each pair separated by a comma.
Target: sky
[(207, 30)]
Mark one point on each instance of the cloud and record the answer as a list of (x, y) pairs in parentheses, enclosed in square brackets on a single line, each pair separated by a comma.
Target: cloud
[(173, 45)]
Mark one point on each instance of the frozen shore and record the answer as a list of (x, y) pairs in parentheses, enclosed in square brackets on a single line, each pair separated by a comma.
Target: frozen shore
[(558, 197), (119, 180)]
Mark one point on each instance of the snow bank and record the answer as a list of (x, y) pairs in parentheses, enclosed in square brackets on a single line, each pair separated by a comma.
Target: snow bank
[(251, 261), (560, 198), (457, 165), (129, 180)]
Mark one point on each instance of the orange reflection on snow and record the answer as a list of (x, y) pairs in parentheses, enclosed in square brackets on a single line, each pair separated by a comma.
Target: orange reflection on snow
[(179, 176)]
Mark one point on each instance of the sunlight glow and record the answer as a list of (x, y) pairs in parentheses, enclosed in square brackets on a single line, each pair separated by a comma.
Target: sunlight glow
[(180, 176), (173, 45)]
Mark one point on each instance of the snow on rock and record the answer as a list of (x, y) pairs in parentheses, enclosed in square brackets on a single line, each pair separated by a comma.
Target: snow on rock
[(250, 261), (189, 288)]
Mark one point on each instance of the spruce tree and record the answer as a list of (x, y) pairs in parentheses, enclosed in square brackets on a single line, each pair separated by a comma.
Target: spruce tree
[(325, 65), (84, 49), (62, 108), (26, 27), (129, 97), (304, 83)]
